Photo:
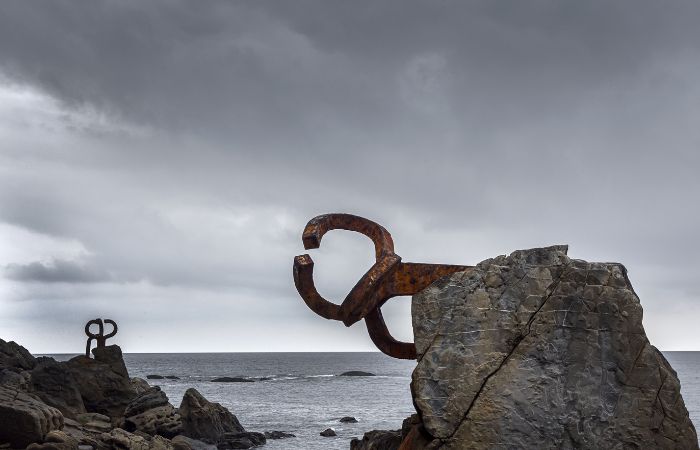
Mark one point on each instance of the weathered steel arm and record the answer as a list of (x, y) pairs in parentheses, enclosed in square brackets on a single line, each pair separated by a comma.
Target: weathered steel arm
[(387, 278)]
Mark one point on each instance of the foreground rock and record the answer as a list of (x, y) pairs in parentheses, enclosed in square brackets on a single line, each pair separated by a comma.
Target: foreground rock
[(103, 384), (205, 420), (152, 413), (54, 384), (24, 419), (89, 403), (15, 357), (536, 350)]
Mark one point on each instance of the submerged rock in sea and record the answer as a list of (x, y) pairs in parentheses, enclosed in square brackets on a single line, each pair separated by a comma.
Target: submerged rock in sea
[(232, 380), (377, 440), (537, 350), (278, 435), (356, 373), (328, 432)]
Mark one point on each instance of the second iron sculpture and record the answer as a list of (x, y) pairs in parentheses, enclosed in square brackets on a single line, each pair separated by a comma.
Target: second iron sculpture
[(99, 337)]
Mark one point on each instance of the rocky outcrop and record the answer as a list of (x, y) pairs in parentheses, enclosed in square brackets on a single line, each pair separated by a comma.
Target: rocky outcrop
[(205, 420), (377, 440), (139, 385), (111, 355), (245, 439), (105, 409), (328, 432), (121, 439), (54, 384), (56, 440), (278, 435), (537, 350), (152, 413), (16, 357), (185, 443), (24, 419), (102, 385), (95, 422)]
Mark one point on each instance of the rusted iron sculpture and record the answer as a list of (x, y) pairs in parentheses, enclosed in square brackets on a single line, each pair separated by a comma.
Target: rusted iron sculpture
[(387, 278), (99, 337)]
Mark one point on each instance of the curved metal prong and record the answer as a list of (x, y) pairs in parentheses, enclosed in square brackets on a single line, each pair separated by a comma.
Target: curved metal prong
[(87, 347), (320, 225), (379, 333), (365, 295), (114, 326), (304, 282), (97, 322)]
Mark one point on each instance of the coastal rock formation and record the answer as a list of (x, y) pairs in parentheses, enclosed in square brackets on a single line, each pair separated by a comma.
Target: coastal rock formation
[(537, 350), (56, 440), (185, 443), (14, 356), (111, 355), (245, 439), (24, 419), (103, 386), (104, 408), (377, 440), (205, 420), (152, 413), (54, 384), (139, 385)]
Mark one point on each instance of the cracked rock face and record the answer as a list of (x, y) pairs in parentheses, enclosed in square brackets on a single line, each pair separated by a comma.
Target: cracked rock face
[(536, 350)]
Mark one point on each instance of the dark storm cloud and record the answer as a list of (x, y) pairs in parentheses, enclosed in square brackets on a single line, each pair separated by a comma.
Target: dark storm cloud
[(182, 147), (57, 271)]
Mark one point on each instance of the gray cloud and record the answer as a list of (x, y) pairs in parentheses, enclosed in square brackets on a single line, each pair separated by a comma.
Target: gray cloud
[(184, 148), (57, 271)]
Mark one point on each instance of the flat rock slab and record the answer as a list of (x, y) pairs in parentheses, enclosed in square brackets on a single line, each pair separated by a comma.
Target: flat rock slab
[(537, 350)]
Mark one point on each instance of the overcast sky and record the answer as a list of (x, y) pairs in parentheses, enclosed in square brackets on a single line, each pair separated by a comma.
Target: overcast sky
[(159, 160)]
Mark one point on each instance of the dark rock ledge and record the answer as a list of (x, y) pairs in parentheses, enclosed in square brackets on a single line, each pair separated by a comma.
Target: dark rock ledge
[(86, 403)]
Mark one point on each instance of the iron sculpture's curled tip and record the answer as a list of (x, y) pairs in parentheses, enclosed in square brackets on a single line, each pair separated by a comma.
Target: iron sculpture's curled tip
[(114, 326), (304, 281), (320, 225)]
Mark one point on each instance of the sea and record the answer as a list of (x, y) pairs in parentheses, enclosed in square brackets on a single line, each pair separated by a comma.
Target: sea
[(303, 394)]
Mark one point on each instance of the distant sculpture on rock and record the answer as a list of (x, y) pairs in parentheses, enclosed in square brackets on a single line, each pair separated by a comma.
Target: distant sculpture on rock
[(99, 337)]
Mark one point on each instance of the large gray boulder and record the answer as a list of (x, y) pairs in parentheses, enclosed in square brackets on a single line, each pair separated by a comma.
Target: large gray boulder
[(205, 420), (24, 419), (537, 350)]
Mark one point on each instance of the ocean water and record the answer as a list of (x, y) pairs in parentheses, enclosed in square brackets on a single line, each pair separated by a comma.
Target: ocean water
[(304, 395)]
